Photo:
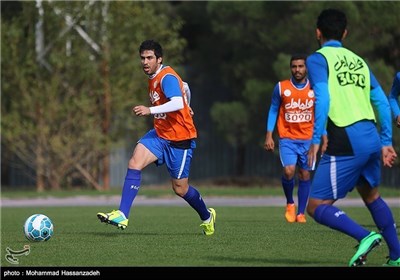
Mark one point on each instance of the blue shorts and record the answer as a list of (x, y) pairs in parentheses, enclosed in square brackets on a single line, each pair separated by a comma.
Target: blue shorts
[(338, 175), (294, 152), (177, 160)]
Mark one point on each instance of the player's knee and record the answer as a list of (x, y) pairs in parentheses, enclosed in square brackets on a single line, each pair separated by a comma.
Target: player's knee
[(311, 208), (310, 211), (304, 175), (180, 188)]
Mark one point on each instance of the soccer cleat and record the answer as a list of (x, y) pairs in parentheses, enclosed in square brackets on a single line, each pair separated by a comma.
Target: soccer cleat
[(209, 228), (366, 245), (301, 218), (290, 213), (392, 262), (115, 218)]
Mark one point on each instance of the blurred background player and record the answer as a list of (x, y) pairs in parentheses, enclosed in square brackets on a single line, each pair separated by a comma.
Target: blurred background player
[(394, 98), (344, 88), (170, 142), (292, 108)]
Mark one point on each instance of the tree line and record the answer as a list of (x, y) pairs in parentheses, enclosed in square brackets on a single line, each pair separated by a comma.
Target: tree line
[(71, 72)]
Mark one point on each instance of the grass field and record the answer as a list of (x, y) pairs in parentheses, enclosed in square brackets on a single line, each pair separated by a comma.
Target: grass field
[(170, 236), (166, 191)]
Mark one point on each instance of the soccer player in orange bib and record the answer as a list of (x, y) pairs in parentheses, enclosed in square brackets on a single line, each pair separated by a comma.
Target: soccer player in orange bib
[(170, 142), (292, 109)]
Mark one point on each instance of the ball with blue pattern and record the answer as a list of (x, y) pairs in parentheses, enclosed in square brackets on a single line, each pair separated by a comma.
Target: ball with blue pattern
[(38, 227)]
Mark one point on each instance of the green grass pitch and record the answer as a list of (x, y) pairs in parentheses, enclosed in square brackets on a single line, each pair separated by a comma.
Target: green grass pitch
[(170, 236)]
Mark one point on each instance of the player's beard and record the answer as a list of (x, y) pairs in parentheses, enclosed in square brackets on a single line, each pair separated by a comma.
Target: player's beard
[(298, 77)]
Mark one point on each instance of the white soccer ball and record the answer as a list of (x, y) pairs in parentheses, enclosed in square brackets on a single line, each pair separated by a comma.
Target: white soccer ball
[(38, 227)]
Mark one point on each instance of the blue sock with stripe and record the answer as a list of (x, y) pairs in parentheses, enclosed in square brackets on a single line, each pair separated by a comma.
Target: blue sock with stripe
[(383, 219), (195, 200), (335, 218), (130, 190)]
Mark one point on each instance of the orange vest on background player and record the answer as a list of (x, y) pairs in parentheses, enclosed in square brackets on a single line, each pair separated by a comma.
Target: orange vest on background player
[(174, 126), (296, 113)]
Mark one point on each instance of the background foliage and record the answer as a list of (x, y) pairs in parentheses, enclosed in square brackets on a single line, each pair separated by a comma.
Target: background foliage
[(62, 113)]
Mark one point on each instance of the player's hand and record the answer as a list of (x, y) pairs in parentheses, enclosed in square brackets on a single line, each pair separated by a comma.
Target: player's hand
[(324, 144), (323, 148), (398, 121), (312, 155), (141, 110), (269, 145), (388, 156), (191, 111)]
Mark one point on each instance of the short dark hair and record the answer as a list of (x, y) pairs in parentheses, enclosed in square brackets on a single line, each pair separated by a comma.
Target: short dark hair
[(297, 56), (152, 46), (332, 24)]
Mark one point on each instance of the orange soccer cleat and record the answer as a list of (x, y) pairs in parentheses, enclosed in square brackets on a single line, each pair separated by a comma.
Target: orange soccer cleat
[(301, 218), (290, 213)]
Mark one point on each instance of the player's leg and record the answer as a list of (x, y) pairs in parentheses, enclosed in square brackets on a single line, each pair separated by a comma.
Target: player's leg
[(304, 176), (303, 192), (143, 155), (334, 178), (288, 157), (178, 162), (288, 187), (192, 196), (380, 211)]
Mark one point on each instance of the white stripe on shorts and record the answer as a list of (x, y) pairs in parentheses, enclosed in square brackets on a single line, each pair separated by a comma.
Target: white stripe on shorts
[(182, 164), (333, 176)]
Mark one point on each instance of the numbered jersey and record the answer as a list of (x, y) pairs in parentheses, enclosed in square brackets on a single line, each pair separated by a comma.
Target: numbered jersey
[(296, 113), (173, 126)]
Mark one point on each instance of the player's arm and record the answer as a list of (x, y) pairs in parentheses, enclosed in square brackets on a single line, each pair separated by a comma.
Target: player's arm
[(174, 104), (171, 89), (318, 75), (188, 97), (324, 142), (273, 112), (381, 104), (394, 99), (187, 91)]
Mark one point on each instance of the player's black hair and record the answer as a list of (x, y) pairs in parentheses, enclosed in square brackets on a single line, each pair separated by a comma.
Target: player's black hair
[(297, 56), (152, 46), (332, 24)]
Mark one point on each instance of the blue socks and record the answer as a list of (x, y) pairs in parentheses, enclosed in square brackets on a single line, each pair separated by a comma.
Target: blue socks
[(288, 186), (132, 186), (383, 219), (335, 218), (195, 200), (302, 193), (130, 190)]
